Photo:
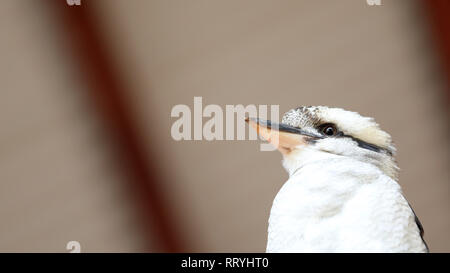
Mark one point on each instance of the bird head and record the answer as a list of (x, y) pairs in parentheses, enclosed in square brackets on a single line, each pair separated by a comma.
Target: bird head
[(320, 132)]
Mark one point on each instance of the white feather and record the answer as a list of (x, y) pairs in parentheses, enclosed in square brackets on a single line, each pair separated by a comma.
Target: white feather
[(335, 203)]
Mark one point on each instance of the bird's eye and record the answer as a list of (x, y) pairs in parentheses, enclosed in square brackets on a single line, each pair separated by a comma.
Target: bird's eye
[(328, 129)]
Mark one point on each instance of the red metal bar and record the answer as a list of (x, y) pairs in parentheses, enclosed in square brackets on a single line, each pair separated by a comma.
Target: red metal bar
[(108, 90), (439, 16)]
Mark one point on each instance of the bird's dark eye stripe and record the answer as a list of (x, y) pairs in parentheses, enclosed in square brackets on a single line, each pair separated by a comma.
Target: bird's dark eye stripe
[(368, 146), (361, 143)]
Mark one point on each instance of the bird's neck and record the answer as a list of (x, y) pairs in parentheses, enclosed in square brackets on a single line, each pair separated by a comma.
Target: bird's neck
[(294, 161)]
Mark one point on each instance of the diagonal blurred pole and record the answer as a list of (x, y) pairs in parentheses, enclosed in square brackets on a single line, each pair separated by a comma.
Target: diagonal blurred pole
[(438, 13), (108, 89)]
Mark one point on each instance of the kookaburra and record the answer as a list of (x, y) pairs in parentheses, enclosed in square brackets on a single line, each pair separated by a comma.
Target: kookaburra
[(342, 193)]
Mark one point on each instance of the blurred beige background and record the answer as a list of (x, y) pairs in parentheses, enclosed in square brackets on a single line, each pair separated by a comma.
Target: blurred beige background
[(59, 179)]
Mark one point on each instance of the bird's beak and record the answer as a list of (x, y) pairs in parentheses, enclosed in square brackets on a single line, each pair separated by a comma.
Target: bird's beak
[(284, 137)]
